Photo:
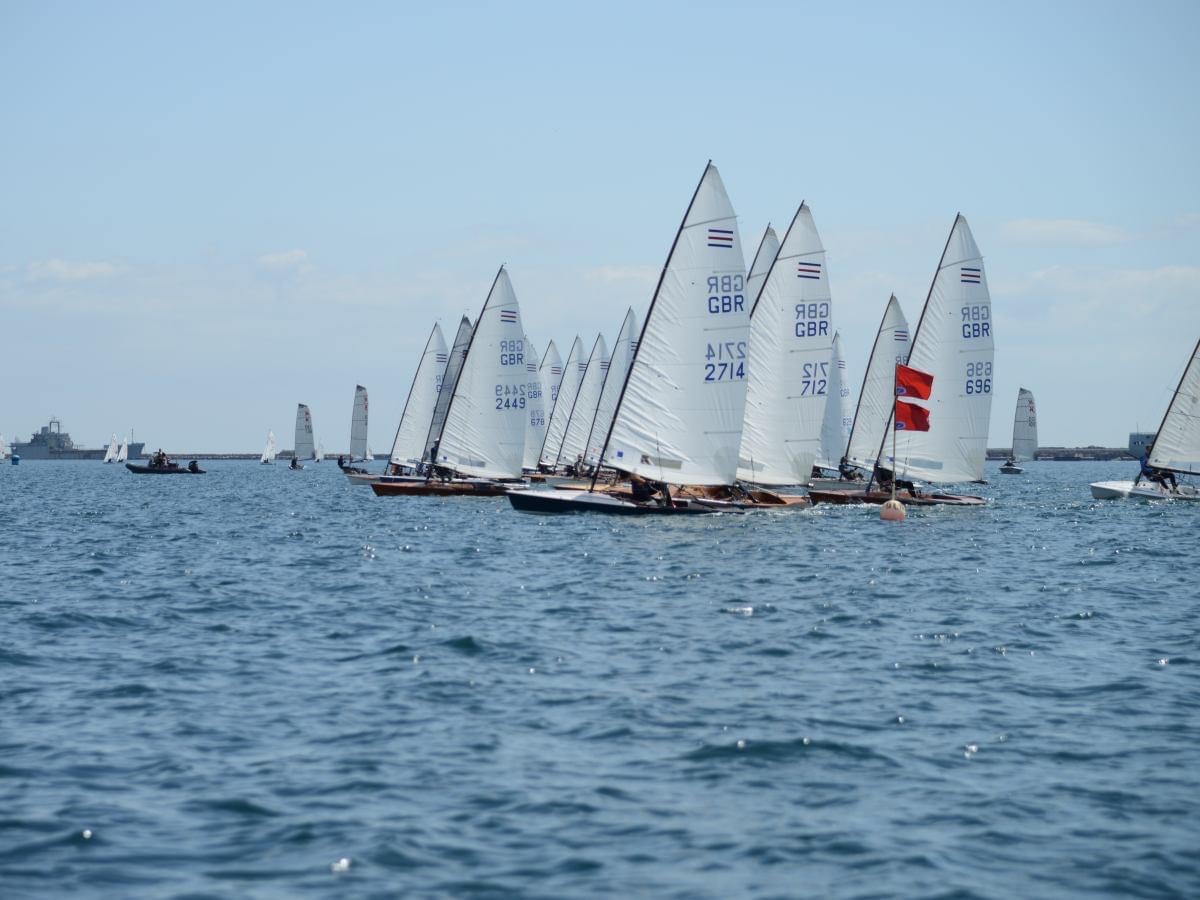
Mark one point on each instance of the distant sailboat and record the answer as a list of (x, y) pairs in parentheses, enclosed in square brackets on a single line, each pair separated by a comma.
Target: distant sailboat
[(618, 368), (123, 451), (408, 448), (954, 343), (560, 409), (358, 425), (110, 455), (270, 450), (483, 438), (535, 397), (583, 412), (1024, 445), (4, 450), (303, 445), (1176, 447), (458, 353), (835, 427)]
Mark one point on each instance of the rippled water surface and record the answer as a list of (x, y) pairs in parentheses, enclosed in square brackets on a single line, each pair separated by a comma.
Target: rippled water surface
[(263, 683)]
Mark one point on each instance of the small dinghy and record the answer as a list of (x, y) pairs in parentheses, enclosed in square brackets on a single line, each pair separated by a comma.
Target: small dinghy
[(1176, 448), (1024, 445)]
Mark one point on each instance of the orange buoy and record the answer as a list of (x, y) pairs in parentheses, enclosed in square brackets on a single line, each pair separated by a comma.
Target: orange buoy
[(892, 511)]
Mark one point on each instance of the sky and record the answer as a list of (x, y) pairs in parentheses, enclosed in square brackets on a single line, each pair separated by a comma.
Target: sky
[(210, 212)]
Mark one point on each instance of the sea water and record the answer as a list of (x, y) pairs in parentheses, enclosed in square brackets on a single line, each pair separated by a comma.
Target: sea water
[(267, 683)]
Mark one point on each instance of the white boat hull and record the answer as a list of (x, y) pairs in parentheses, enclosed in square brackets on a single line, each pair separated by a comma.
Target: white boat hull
[(1122, 490)]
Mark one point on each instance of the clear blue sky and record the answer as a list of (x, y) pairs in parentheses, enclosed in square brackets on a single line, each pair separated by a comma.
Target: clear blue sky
[(209, 212)]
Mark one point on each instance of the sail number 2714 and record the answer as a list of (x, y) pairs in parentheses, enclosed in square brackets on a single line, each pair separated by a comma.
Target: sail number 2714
[(726, 361)]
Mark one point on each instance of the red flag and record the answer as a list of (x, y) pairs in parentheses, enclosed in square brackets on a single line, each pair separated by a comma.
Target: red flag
[(910, 417), (912, 382)]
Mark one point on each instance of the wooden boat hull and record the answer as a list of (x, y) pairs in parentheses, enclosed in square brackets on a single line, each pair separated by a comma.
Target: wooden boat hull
[(162, 470), (879, 497), (423, 488)]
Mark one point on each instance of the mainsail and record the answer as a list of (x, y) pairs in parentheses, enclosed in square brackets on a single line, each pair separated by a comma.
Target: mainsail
[(408, 448), (835, 428), (358, 424), (618, 368), (1177, 446), (458, 352), (679, 416), (535, 398), (564, 402), (269, 451), (302, 447), (110, 455), (485, 423), (1025, 440), (953, 342), (579, 425), (878, 388), (123, 452), (764, 258), (791, 337)]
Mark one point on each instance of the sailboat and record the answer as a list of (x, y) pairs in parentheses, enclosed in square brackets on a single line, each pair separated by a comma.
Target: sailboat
[(110, 455), (679, 414), (954, 343), (358, 425), (454, 364), (5, 452), (483, 439), (408, 447), (302, 445), (835, 427), (269, 451), (563, 404), (869, 422), (789, 377), (1176, 447), (535, 398), (1024, 445), (614, 377), (123, 451), (583, 411)]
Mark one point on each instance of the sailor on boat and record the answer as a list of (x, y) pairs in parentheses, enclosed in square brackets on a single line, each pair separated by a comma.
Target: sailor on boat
[(194, 466), (295, 464), (1154, 474), (847, 471), (159, 460)]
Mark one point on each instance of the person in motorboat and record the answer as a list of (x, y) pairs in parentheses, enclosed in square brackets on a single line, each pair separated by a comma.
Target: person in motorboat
[(295, 464), (194, 467), (1010, 461), (160, 460), (1155, 474), (847, 471)]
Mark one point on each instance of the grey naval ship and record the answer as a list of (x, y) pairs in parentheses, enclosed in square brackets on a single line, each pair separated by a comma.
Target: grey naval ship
[(51, 442)]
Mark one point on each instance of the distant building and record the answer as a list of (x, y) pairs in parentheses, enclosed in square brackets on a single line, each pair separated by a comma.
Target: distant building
[(1139, 441)]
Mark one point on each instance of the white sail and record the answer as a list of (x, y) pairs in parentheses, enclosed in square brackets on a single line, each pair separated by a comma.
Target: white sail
[(679, 418), (579, 425), (535, 398), (485, 424), (269, 451), (4, 451), (564, 402), (878, 387), (764, 258), (1177, 446), (110, 455), (1025, 427), (303, 444), (408, 448), (789, 378), (551, 372), (358, 424), (123, 451), (953, 342), (458, 353), (835, 428), (618, 369), (320, 454)]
